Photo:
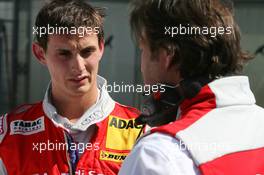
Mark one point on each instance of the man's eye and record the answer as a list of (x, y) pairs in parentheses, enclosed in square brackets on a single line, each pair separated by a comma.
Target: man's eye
[(86, 53), (64, 53)]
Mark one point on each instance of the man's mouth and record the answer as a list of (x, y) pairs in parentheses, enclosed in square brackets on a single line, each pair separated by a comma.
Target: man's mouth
[(79, 79)]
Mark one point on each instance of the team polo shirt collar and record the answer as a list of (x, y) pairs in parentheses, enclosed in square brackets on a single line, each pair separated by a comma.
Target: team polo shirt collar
[(96, 113)]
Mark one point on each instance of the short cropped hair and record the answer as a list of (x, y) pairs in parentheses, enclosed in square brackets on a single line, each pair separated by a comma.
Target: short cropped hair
[(69, 13), (194, 54)]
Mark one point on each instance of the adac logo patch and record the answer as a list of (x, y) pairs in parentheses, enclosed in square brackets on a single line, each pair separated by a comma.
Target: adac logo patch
[(121, 133), (3, 127), (111, 156), (24, 127), (123, 124)]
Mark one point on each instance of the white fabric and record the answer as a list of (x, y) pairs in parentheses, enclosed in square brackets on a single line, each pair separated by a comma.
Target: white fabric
[(3, 127), (232, 124), (2, 168), (158, 154), (96, 113), (83, 130), (223, 130), (233, 90)]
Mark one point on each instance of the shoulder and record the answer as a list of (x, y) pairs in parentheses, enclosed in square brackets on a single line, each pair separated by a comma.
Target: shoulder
[(123, 117), (124, 111), (25, 108), (161, 154), (163, 144), (25, 112)]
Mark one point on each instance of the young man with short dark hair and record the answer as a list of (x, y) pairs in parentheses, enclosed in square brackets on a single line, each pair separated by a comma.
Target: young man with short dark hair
[(206, 122), (76, 128)]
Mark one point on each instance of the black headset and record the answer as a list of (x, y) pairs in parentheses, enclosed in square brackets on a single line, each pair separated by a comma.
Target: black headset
[(161, 108)]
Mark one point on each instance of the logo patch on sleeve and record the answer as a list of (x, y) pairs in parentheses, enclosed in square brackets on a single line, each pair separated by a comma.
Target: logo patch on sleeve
[(3, 127), (24, 127)]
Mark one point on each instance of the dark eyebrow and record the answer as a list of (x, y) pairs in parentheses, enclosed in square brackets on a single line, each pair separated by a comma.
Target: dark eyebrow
[(89, 48), (63, 50)]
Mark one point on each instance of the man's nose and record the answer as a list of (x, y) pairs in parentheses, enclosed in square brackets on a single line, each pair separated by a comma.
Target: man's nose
[(78, 65)]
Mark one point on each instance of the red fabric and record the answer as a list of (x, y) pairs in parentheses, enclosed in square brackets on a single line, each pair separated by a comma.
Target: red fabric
[(19, 157), (191, 111), (249, 162), (17, 152), (240, 163)]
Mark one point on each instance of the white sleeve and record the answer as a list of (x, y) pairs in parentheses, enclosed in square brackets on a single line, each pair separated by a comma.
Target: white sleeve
[(158, 154), (2, 168)]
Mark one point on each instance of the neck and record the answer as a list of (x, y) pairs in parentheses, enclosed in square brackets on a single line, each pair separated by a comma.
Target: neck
[(172, 78), (73, 106)]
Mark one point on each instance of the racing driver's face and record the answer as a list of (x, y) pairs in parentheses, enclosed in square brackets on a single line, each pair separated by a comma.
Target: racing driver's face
[(72, 62)]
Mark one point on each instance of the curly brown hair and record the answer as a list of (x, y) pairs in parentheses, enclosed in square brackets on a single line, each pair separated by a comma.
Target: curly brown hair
[(194, 54)]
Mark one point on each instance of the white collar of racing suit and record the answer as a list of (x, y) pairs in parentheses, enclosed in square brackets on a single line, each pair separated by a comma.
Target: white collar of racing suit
[(96, 113)]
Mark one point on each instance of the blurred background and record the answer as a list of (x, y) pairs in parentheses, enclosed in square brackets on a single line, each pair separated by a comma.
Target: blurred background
[(24, 80)]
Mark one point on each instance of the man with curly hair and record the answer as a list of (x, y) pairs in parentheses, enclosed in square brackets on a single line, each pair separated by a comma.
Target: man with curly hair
[(206, 122)]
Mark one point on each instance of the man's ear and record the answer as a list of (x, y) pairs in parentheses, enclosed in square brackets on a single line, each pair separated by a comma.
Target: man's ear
[(39, 53), (101, 47), (167, 58)]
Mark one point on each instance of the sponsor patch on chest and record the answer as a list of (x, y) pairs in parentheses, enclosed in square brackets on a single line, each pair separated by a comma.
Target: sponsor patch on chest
[(24, 127), (111, 156), (121, 133)]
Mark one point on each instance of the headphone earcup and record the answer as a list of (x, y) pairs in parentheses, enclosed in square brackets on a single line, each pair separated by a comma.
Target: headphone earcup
[(191, 89)]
